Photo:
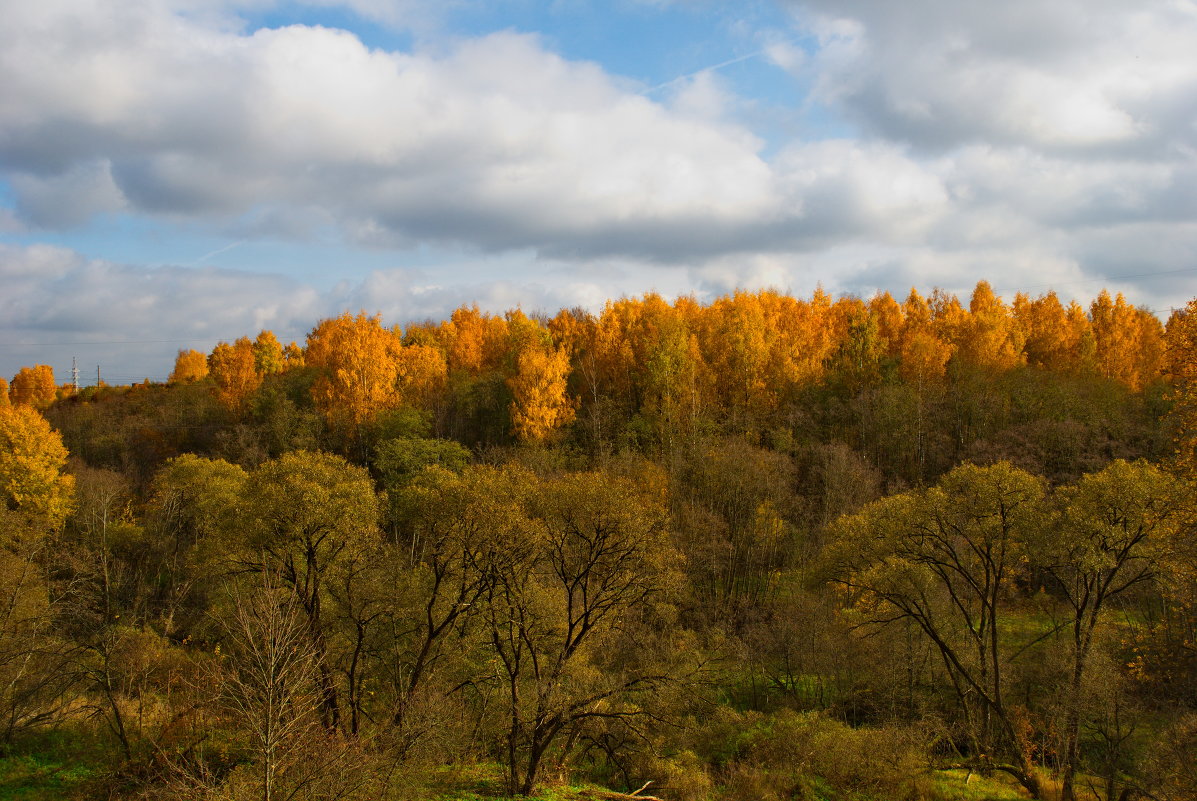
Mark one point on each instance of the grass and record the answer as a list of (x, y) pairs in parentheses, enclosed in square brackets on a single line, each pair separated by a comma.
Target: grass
[(48, 766), (950, 785), (30, 777)]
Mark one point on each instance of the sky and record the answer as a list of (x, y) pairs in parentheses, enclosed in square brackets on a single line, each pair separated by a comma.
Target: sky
[(178, 172)]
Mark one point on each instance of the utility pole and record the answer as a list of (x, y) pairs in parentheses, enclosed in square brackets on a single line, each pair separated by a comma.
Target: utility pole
[(74, 374), (97, 375)]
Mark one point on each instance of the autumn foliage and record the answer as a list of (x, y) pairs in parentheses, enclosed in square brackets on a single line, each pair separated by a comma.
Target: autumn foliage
[(190, 366), (33, 386), (757, 547), (32, 463)]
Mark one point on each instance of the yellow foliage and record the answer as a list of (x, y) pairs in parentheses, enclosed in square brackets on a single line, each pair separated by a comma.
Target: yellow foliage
[(190, 365), (1182, 369), (33, 386), (540, 404), (365, 369), (292, 356), (358, 360), (32, 458), (474, 342), (989, 338), (232, 368)]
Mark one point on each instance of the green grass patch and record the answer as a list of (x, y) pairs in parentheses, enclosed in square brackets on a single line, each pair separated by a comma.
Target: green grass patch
[(957, 785), (31, 777)]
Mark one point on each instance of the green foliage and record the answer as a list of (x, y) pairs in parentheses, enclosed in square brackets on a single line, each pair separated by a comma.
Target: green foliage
[(644, 601), (399, 461)]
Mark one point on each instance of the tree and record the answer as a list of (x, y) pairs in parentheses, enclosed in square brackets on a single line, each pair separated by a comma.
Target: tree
[(32, 460), (1112, 525), (232, 368), (34, 675), (944, 558), (267, 676), (358, 363), (33, 386), (454, 527), (539, 403), (1181, 341), (990, 340), (595, 557), (400, 461), (306, 518), (268, 353), (193, 500), (190, 366), (35, 499)]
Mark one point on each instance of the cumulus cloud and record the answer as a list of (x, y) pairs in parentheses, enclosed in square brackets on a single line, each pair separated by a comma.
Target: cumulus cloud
[(1075, 76), (59, 304), (494, 143), (1022, 142)]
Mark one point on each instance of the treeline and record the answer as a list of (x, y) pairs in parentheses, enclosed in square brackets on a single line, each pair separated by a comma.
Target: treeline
[(764, 548)]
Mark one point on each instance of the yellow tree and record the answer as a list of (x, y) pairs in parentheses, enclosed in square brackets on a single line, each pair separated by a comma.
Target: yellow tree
[(33, 386), (475, 342), (989, 339), (1150, 359), (860, 343), (420, 374), (359, 371), (232, 368), (924, 359), (735, 340), (1050, 340), (190, 366), (1116, 331), (949, 319), (1080, 330), (4, 401), (1181, 340), (924, 353), (540, 403), (32, 459), (292, 357), (36, 669), (890, 322)]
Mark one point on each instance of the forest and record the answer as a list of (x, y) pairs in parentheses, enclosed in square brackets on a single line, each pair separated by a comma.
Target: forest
[(755, 549)]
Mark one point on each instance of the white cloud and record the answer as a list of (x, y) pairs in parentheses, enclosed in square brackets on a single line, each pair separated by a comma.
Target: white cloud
[(1073, 76), (1019, 141), (60, 304), (493, 143)]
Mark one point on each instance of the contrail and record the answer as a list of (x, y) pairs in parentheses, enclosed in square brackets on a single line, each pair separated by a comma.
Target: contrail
[(712, 68), (217, 252)]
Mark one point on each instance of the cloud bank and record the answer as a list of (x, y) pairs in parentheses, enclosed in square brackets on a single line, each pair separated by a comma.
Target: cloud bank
[(1035, 145)]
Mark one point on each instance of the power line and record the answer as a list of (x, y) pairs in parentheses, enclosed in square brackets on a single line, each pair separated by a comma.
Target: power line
[(1100, 278), (110, 342)]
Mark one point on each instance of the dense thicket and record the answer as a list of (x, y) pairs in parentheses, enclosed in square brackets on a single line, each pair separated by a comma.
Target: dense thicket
[(761, 548)]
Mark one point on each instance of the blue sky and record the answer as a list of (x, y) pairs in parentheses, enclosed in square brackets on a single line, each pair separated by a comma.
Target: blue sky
[(176, 172)]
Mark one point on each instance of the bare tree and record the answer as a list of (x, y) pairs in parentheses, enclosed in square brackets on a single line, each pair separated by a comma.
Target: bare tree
[(268, 682)]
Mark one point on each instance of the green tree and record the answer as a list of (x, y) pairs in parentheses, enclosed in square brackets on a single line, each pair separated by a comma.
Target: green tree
[(1112, 526), (307, 518), (595, 556), (944, 558)]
